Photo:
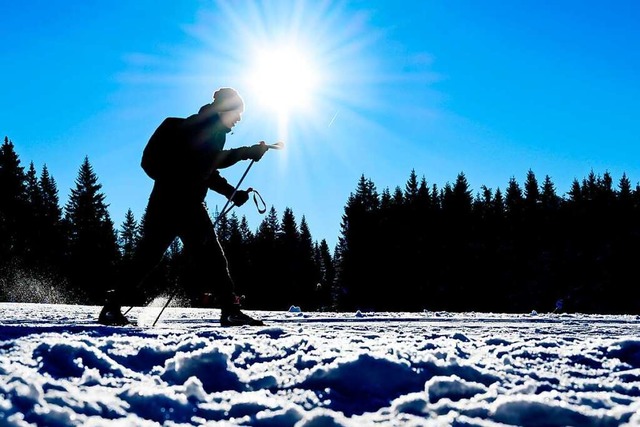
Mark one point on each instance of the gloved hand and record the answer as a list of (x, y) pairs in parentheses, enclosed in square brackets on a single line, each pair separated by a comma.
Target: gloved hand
[(240, 197), (256, 151)]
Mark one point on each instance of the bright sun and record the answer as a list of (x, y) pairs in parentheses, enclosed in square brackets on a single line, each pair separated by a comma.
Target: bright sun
[(283, 78), (300, 65)]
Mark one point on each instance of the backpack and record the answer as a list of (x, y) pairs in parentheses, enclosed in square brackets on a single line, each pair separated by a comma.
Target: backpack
[(159, 155)]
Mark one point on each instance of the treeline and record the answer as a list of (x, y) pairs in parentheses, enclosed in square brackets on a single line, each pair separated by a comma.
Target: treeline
[(418, 247), (525, 249)]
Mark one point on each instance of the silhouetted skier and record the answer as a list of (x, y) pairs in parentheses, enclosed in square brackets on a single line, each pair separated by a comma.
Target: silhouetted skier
[(183, 156)]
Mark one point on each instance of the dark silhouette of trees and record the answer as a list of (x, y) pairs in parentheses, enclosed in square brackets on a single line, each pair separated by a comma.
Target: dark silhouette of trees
[(31, 235), (264, 287), (277, 266), (309, 271), (92, 253), (128, 237), (415, 247), (288, 238), (13, 208), (52, 243), (13, 203), (515, 253), (44, 236), (325, 296), (237, 242), (360, 249)]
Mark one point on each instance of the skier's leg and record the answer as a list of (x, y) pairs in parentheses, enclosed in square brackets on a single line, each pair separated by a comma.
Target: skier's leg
[(157, 235), (208, 266), (150, 251)]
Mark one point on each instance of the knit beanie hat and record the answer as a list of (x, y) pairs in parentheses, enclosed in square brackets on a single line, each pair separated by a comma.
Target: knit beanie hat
[(227, 99)]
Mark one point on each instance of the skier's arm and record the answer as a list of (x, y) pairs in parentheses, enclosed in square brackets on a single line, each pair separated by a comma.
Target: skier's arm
[(226, 158), (230, 157), (219, 184)]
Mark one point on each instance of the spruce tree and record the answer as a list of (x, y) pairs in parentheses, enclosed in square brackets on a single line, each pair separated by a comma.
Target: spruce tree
[(398, 198), (35, 214), (575, 193), (531, 191), (462, 195), (625, 193), (238, 256), (385, 199), (360, 254), (128, 237), (411, 188), (52, 227), (44, 240), (245, 231), (243, 267), (222, 228), (13, 206), (288, 238), (423, 196), (590, 186), (552, 235), (326, 294), (459, 258), (498, 203), (93, 250), (33, 190), (266, 286), (309, 270), (548, 197), (514, 200)]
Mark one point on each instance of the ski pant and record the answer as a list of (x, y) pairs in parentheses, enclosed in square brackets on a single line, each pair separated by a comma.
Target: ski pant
[(180, 213)]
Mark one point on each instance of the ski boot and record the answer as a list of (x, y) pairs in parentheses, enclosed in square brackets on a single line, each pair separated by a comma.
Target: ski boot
[(111, 313)]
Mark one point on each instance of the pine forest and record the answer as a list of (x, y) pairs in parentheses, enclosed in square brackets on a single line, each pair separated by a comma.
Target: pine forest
[(419, 246)]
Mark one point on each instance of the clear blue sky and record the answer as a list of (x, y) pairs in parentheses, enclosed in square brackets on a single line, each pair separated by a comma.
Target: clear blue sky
[(488, 88)]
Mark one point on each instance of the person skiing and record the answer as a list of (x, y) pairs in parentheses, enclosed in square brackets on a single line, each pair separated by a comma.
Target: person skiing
[(184, 156)]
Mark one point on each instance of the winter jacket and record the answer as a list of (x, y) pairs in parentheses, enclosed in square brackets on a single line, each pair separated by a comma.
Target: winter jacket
[(184, 155)]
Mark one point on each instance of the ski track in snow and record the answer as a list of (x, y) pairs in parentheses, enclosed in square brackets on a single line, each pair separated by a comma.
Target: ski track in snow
[(59, 368)]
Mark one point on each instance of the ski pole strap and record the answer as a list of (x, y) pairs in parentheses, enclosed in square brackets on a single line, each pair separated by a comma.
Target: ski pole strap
[(262, 207)]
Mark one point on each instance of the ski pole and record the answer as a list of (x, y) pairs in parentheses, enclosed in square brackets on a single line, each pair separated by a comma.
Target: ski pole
[(278, 145), (166, 304), (235, 190)]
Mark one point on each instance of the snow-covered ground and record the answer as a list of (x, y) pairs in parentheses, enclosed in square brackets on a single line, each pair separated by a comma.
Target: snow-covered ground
[(58, 368)]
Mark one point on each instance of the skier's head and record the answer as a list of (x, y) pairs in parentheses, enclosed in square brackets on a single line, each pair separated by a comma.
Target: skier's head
[(227, 99), (229, 105)]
